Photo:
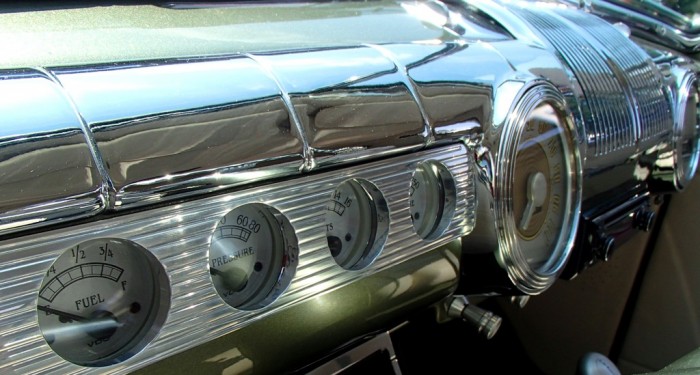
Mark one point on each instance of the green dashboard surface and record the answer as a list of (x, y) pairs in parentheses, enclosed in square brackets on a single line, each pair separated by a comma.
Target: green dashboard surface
[(306, 331), (102, 34)]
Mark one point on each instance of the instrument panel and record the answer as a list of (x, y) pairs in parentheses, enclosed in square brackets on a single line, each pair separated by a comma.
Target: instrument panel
[(224, 190), (149, 284)]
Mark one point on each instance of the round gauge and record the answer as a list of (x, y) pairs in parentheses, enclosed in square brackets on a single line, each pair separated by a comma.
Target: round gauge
[(432, 199), (539, 188), (357, 223), (686, 133), (102, 301), (253, 256)]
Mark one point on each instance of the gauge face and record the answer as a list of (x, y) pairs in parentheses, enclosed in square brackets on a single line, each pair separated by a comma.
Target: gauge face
[(687, 147), (253, 256), (540, 184), (432, 199), (102, 301), (357, 223)]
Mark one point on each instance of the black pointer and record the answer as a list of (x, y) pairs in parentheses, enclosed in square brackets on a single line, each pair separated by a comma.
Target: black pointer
[(67, 317)]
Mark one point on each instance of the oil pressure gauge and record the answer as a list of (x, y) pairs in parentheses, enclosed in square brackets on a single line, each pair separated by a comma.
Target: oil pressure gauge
[(432, 199), (357, 223), (253, 256), (102, 301)]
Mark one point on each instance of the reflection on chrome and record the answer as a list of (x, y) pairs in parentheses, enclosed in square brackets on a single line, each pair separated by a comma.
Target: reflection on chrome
[(403, 151)]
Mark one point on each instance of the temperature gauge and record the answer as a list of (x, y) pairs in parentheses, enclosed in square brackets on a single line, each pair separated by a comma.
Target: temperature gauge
[(253, 256), (432, 198), (357, 223), (102, 301)]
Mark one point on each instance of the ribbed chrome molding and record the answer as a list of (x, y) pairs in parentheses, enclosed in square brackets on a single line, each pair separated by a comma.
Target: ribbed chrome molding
[(178, 235), (638, 73), (610, 118)]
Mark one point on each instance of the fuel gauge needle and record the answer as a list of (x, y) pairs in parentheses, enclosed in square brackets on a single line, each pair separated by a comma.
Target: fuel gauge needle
[(67, 317)]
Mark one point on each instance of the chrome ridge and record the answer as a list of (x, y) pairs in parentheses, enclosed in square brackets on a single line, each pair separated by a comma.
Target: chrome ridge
[(178, 235)]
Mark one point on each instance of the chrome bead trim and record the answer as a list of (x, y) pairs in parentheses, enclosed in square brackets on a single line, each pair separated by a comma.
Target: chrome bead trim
[(360, 107), (42, 146), (178, 235)]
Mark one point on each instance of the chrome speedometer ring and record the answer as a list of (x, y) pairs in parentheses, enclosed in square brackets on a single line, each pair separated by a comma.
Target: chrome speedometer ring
[(685, 132), (538, 189)]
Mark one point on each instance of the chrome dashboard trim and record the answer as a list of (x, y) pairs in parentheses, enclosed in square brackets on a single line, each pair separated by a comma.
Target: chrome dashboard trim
[(178, 235), (42, 146), (173, 129)]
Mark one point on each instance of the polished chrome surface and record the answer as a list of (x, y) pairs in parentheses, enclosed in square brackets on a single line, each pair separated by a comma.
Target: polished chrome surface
[(178, 235), (174, 129), (640, 76), (496, 229), (361, 107), (650, 20), (610, 121), (453, 85), (48, 173), (672, 165)]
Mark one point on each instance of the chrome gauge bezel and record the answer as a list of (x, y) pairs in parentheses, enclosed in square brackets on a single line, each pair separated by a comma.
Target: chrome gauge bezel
[(364, 199), (101, 271), (277, 255), (687, 87), (510, 255)]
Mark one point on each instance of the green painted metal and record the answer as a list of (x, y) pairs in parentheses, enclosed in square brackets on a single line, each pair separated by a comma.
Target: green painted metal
[(305, 332), (103, 34)]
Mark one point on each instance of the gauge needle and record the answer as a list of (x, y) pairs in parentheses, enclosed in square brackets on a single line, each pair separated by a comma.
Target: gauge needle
[(536, 193), (67, 316)]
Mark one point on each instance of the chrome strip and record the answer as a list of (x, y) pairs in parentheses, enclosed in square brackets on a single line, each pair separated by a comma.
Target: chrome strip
[(48, 173), (107, 185), (178, 235), (359, 108), (174, 129), (453, 84)]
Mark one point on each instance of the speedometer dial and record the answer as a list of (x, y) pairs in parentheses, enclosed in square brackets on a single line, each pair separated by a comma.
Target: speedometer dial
[(539, 185), (539, 189)]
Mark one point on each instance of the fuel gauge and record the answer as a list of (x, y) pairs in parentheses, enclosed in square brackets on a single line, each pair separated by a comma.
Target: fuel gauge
[(102, 301)]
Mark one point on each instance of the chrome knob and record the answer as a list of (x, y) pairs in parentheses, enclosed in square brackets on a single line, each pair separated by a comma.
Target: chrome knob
[(485, 322)]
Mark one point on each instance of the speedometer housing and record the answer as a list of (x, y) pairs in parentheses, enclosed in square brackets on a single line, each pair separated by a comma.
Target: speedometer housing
[(538, 189)]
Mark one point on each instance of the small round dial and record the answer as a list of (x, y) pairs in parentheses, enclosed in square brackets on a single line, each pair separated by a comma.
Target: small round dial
[(357, 223), (539, 191), (253, 256), (102, 301), (432, 199)]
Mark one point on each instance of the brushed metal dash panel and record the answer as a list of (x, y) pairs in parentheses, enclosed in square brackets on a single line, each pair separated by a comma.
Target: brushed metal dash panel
[(178, 235)]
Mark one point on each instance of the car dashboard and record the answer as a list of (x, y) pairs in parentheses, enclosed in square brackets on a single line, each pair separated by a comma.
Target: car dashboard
[(285, 187)]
